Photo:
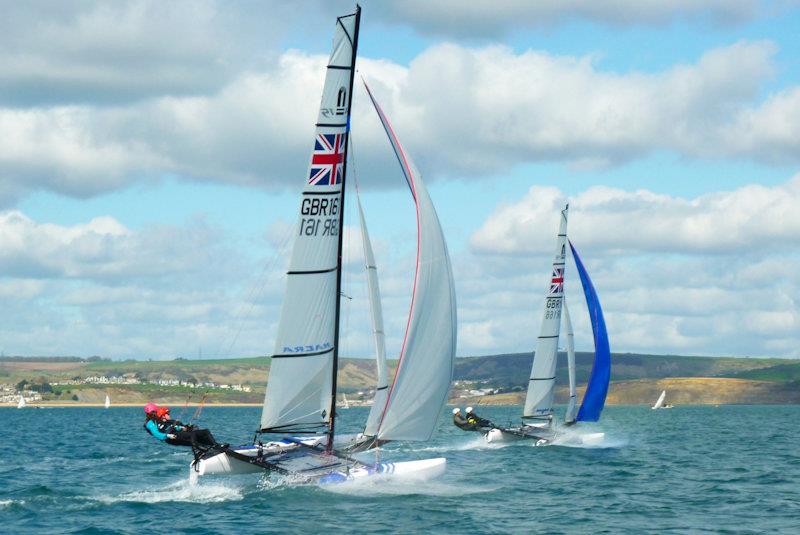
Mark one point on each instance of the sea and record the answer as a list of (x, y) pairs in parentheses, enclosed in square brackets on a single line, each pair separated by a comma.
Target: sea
[(690, 469)]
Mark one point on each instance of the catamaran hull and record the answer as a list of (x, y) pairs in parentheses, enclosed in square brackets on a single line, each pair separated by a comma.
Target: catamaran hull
[(500, 435), (224, 464), (422, 470)]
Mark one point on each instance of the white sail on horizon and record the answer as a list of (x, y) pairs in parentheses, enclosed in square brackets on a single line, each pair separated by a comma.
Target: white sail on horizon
[(541, 386), (660, 400), (21, 403), (107, 403)]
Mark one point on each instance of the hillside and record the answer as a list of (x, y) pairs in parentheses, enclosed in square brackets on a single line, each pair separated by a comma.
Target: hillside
[(636, 378)]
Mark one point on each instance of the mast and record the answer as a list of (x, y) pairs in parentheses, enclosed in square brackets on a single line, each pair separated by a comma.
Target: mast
[(332, 424)]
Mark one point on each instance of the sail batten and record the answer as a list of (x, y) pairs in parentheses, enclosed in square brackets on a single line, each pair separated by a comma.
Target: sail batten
[(539, 399), (425, 367), (301, 387)]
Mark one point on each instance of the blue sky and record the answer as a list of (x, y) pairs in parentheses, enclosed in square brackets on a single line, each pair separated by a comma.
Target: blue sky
[(155, 156)]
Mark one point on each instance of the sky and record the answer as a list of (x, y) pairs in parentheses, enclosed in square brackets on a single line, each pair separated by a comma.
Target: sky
[(153, 154)]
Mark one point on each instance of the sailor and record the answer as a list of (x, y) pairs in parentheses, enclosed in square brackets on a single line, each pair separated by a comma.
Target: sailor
[(173, 432), (474, 420), (459, 420), (180, 434)]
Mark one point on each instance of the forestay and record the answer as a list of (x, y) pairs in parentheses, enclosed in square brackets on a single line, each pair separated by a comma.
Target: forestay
[(425, 368), (299, 390), (539, 400), (382, 386)]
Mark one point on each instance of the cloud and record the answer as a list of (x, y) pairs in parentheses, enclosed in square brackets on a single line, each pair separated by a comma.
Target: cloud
[(518, 108), (455, 19), (746, 221)]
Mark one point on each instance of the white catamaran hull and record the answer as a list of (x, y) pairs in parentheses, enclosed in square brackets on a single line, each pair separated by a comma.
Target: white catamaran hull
[(223, 464), (421, 470)]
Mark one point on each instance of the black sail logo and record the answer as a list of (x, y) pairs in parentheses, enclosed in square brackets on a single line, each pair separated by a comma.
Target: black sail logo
[(341, 101)]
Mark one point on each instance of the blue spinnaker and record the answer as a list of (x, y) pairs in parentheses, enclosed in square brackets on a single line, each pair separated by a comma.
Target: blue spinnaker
[(596, 390)]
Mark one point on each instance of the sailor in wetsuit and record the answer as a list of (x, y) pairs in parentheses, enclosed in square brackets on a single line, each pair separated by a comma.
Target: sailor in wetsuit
[(174, 432), (459, 421), (476, 421)]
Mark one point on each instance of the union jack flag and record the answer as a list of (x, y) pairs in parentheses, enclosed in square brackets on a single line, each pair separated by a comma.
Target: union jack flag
[(327, 160), (557, 282)]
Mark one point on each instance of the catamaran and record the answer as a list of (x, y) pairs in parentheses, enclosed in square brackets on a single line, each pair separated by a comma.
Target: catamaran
[(660, 401), (107, 403), (538, 415), (300, 399), (21, 403)]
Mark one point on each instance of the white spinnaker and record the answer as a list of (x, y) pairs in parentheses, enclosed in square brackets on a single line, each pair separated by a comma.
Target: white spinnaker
[(300, 380), (425, 368), (382, 386), (539, 400), (572, 406), (660, 400)]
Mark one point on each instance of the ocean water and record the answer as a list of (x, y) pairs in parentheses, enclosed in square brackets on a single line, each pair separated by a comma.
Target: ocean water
[(730, 469)]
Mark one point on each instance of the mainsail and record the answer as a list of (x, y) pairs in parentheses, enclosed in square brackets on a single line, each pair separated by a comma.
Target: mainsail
[(425, 368), (539, 400), (660, 400), (569, 416), (301, 387), (595, 396), (382, 386)]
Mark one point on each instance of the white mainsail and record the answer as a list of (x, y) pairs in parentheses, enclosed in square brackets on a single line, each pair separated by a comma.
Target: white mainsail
[(539, 400), (572, 406), (382, 386), (300, 387), (21, 403), (425, 368), (107, 404), (660, 400)]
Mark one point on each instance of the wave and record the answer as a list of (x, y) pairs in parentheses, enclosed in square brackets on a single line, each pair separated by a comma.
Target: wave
[(377, 486), (181, 491)]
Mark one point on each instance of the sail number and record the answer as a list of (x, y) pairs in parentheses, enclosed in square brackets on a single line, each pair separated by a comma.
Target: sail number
[(327, 220), (552, 308)]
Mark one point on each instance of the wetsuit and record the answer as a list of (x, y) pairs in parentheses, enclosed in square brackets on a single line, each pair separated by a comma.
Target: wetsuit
[(476, 421), (184, 435), (461, 423)]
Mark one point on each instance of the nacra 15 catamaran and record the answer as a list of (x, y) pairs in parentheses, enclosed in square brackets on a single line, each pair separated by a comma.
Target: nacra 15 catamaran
[(300, 399), (538, 416)]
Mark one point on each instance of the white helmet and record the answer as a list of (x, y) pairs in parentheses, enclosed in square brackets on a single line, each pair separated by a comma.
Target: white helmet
[(469, 410), (456, 410)]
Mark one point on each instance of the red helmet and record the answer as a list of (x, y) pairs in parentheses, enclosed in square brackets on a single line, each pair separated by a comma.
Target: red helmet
[(150, 407), (162, 411)]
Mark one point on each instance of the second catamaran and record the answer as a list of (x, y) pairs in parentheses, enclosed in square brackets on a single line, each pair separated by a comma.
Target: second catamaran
[(538, 421)]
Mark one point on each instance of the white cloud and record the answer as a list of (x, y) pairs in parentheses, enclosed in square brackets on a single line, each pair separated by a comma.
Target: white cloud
[(518, 108), (749, 220)]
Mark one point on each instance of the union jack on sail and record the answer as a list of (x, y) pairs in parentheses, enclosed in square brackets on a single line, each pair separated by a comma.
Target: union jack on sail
[(557, 282), (327, 160)]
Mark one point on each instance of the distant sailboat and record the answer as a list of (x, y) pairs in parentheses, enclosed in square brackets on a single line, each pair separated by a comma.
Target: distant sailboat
[(538, 414), (660, 401), (107, 404), (345, 403), (21, 403), (301, 391)]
